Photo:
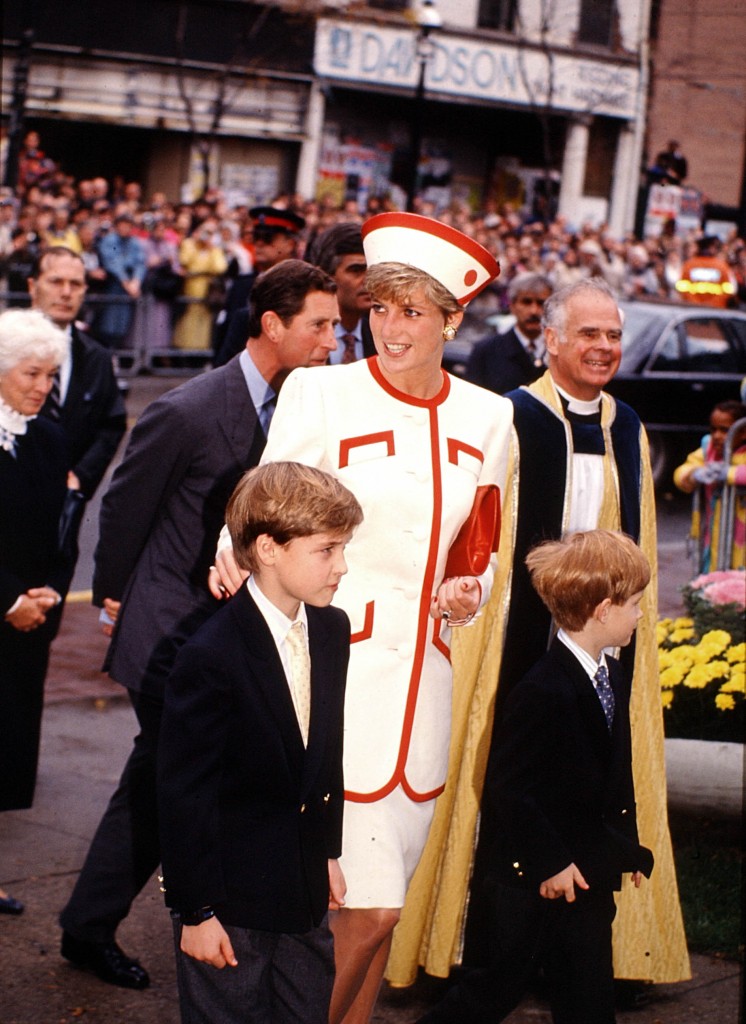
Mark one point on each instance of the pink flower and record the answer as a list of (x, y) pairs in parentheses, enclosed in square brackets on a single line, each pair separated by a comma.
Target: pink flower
[(729, 591), (720, 576)]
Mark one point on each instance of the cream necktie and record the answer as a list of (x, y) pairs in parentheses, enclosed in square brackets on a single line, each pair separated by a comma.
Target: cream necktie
[(300, 671)]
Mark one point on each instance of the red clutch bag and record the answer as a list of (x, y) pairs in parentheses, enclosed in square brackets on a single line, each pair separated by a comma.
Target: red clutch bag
[(478, 537)]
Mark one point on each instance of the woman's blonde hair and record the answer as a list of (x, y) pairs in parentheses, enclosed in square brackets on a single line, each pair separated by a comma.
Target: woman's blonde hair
[(287, 500), (395, 282), (574, 575)]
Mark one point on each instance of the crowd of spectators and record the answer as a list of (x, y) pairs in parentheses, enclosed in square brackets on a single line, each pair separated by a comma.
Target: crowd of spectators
[(180, 257)]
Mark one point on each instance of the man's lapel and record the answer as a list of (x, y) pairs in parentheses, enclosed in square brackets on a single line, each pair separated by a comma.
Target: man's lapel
[(592, 714), (267, 672), (238, 419), (321, 664)]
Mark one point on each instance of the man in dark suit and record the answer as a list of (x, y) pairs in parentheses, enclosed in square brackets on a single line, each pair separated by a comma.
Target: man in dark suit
[(505, 361), (339, 251), (250, 761), (561, 796), (88, 403), (276, 233), (159, 525)]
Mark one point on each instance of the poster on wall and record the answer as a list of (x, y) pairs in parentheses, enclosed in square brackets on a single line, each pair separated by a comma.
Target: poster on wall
[(249, 184), (195, 184), (349, 171), (671, 202)]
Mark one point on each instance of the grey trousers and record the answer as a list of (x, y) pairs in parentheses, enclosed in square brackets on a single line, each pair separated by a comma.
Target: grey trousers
[(280, 979)]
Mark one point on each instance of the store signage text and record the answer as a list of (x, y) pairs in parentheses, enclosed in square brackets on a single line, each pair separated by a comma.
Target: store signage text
[(513, 74)]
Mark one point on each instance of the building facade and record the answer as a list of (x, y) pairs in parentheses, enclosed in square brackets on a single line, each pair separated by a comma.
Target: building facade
[(537, 102), (698, 96)]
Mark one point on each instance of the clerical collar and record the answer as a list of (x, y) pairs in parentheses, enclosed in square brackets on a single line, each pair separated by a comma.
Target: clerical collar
[(578, 405)]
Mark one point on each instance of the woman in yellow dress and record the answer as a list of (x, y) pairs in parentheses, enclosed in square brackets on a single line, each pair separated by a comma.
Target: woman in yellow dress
[(202, 261)]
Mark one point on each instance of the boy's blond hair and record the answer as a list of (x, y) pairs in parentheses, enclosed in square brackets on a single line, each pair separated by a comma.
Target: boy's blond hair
[(287, 500), (574, 575)]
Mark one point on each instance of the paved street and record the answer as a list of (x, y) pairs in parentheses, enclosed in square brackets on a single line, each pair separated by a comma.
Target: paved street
[(88, 727)]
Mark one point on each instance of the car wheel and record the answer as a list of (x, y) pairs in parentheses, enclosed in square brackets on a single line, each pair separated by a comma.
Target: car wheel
[(659, 458)]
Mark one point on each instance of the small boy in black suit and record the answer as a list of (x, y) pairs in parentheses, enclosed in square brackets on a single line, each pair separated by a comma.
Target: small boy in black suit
[(250, 763), (563, 796)]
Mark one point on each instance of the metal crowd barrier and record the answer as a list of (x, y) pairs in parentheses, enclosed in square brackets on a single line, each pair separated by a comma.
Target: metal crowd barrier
[(728, 495), (132, 358), (726, 538)]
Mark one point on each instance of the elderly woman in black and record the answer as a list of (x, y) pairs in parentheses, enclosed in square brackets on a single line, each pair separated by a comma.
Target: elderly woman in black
[(33, 575)]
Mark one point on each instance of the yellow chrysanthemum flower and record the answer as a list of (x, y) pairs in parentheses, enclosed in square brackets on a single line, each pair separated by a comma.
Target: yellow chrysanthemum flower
[(698, 678), (737, 682), (672, 676), (681, 633), (705, 652), (737, 654), (724, 702), (682, 655), (666, 698), (719, 669), (717, 638), (683, 623)]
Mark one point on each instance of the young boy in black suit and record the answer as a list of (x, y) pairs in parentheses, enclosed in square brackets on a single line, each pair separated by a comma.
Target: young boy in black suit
[(250, 762), (563, 795)]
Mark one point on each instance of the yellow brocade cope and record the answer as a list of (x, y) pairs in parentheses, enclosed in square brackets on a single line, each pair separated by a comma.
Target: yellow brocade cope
[(649, 939)]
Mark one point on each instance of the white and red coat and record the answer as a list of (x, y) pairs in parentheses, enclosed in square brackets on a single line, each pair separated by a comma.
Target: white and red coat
[(414, 466)]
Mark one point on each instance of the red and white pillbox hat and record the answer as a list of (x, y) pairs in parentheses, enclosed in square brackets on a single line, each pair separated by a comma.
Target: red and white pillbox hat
[(462, 265)]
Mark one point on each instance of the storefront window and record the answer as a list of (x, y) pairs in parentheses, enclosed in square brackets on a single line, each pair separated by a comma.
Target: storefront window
[(599, 169), (597, 22), (498, 14), (389, 5)]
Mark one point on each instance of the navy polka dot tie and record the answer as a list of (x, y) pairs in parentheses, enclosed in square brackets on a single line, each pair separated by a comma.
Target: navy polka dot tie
[(605, 693)]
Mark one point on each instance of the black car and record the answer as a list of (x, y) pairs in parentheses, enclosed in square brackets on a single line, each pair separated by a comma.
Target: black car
[(678, 361)]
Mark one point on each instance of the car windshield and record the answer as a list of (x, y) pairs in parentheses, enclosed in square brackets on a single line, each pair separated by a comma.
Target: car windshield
[(665, 341), (643, 325)]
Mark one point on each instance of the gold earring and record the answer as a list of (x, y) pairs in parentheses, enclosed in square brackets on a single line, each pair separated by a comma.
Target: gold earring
[(449, 332)]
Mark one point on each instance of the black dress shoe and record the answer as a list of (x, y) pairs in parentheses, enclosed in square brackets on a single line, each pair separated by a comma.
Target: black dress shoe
[(8, 905), (106, 960)]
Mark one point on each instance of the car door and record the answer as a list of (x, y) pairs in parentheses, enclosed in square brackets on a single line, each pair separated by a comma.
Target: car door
[(698, 361)]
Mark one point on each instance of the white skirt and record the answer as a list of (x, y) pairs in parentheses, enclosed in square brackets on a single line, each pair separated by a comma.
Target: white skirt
[(382, 843)]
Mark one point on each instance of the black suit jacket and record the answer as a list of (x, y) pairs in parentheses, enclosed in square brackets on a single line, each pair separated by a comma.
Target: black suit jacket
[(161, 517), (93, 415), (501, 364), (248, 815), (32, 490), (369, 347), (561, 788)]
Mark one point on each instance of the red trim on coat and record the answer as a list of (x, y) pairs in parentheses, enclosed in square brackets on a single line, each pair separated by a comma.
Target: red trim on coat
[(367, 631), (443, 647), (348, 443), (455, 446), (423, 635), (402, 396)]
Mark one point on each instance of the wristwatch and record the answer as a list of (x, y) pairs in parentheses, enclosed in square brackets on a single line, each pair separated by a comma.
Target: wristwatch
[(192, 917)]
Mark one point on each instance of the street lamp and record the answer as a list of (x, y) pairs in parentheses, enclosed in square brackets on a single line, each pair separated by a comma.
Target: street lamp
[(427, 18)]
